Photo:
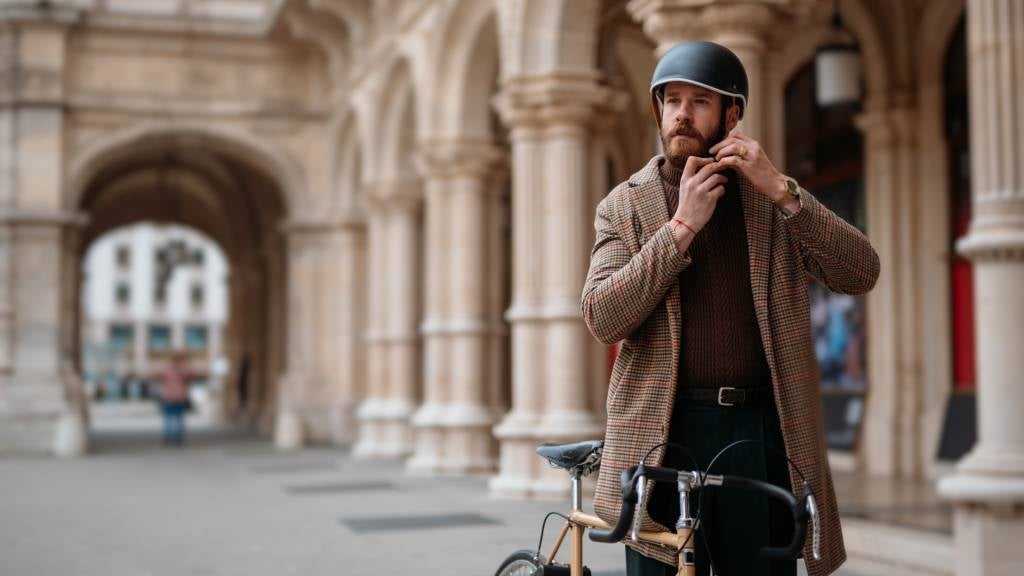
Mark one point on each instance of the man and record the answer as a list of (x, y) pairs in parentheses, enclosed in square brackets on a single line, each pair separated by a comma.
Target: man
[(700, 268)]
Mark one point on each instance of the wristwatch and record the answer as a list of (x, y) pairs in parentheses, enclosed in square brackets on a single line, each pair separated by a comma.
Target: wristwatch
[(792, 193)]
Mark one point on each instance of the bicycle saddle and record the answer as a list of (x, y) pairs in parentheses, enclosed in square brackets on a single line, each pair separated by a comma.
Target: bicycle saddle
[(569, 456)]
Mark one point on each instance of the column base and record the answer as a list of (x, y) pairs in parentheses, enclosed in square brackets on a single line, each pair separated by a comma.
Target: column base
[(429, 438), (518, 459), (72, 436), (468, 444), (288, 430), (384, 429)]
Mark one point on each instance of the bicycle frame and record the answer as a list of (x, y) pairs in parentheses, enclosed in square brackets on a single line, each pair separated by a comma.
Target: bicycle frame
[(579, 522)]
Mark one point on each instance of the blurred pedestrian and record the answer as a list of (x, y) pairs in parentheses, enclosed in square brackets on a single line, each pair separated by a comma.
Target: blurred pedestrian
[(174, 399)]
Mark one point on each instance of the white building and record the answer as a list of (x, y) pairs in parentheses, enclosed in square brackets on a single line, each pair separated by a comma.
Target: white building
[(148, 290)]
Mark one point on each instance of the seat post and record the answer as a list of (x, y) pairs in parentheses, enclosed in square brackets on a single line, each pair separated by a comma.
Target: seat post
[(577, 490)]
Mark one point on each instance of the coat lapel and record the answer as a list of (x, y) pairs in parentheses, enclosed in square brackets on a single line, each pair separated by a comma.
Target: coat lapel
[(757, 215), (652, 213)]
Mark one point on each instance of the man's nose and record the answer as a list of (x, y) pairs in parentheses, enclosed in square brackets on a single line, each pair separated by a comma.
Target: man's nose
[(684, 114)]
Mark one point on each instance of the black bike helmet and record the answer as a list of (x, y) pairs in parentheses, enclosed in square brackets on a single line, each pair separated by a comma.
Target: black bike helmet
[(704, 64)]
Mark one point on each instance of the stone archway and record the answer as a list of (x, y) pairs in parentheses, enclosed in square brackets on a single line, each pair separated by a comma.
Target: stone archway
[(231, 190)]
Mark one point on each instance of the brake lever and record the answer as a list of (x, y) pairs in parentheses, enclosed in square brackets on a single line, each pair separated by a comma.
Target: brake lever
[(812, 509), (641, 488)]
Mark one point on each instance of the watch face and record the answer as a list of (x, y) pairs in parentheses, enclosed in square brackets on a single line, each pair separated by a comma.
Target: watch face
[(792, 188)]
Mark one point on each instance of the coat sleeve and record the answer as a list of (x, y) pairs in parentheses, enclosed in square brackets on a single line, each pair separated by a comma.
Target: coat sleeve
[(833, 251), (622, 289)]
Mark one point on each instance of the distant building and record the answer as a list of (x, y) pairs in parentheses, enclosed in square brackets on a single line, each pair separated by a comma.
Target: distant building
[(148, 290)]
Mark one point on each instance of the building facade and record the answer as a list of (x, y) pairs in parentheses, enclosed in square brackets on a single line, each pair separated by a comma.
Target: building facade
[(149, 291), (405, 192)]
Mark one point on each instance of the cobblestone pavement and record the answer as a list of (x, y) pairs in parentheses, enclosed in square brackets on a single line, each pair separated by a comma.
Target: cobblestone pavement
[(227, 503)]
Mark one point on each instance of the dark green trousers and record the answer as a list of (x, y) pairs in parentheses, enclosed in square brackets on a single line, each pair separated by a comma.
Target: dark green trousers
[(734, 524)]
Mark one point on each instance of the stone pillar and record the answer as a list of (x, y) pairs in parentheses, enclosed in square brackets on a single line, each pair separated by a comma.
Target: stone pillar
[(892, 429), (515, 433), (988, 486), (551, 124), (344, 359), (393, 341), (741, 26), (294, 386), (403, 290), (467, 319), (368, 414), (36, 411), (437, 362)]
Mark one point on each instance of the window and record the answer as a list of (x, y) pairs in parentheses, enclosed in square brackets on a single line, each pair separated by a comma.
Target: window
[(121, 336), (124, 257), (122, 294), (159, 337), (196, 337), (196, 296)]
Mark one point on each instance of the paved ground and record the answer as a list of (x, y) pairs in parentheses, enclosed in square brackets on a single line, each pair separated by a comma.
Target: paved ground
[(229, 504)]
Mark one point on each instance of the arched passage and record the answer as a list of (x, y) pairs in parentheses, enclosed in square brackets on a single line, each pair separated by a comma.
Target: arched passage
[(234, 194)]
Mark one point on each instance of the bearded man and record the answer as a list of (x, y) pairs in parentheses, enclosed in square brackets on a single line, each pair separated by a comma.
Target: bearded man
[(700, 269)]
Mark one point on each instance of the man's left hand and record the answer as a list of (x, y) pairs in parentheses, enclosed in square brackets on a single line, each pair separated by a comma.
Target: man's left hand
[(744, 154)]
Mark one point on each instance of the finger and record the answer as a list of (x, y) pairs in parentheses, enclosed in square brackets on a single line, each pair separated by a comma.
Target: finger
[(725, 142), (715, 181), (734, 149), (734, 162), (693, 163), (706, 172), (717, 192), (740, 135)]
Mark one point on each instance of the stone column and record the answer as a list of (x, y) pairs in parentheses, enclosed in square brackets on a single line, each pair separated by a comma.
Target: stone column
[(344, 361), (891, 440), (35, 375), (741, 26), (438, 234), (403, 291), (368, 415), (551, 123), (988, 486), (515, 433), (393, 341), (293, 388), (467, 419)]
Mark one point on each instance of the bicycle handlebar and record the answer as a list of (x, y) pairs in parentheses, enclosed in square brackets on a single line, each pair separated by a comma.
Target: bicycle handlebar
[(797, 507)]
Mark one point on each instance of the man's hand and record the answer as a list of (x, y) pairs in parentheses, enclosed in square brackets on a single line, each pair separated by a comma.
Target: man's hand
[(700, 187), (744, 154)]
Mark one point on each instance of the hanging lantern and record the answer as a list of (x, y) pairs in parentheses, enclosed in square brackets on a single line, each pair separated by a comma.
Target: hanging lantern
[(837, 67)]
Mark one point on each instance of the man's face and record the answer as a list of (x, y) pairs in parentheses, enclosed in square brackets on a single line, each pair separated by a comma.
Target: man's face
[(690, 122)]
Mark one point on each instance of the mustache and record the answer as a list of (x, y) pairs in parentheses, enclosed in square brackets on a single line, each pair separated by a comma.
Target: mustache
[(688, 130)]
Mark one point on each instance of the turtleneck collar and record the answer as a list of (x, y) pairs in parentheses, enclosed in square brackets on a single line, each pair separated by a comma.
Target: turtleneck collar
[(669, 174)]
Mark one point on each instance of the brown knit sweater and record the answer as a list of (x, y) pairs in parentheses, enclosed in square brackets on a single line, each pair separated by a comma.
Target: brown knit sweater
[(721, 343)]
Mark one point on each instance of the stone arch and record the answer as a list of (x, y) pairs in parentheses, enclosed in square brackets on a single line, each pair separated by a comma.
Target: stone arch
[(348, 193), (397, 124), (469, 62), (542, 36), (255, 152)]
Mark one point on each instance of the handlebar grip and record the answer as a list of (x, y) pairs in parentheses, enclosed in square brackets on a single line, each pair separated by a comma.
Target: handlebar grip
[(618, 532), (796, 507)]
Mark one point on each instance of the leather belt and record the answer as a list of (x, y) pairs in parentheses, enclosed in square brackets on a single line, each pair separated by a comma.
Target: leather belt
[(728, 396)]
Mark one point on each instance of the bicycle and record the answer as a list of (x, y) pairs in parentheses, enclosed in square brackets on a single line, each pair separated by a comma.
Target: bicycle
[(582, 458)]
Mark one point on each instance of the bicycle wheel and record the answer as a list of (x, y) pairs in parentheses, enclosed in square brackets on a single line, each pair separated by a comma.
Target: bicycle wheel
[(520, 563)]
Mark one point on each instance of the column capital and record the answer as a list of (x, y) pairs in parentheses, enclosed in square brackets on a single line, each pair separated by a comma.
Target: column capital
[(402, 194), (458, 157), (670, 22), (888, 126), (567, 99)]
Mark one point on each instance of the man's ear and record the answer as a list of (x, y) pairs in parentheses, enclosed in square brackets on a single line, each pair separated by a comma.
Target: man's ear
[(732, 117)]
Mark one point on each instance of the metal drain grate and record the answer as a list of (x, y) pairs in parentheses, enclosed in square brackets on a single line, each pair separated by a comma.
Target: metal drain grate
[(340, 487), (416, 522)]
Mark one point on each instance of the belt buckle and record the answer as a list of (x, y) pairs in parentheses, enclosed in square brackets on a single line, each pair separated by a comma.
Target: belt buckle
[(722, 402)]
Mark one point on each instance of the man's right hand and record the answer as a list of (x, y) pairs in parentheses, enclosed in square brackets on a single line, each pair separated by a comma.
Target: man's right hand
[(700, 187)]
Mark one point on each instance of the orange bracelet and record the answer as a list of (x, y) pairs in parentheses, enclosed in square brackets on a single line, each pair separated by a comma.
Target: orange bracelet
[(685, 225)]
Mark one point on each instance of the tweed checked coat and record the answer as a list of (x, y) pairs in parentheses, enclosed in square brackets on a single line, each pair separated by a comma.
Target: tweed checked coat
[(632, 295)]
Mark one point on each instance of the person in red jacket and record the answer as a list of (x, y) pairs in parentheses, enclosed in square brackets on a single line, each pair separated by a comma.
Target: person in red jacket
[(174, 399)]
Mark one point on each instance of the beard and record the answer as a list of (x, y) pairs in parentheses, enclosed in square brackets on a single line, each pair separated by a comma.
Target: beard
[(679, 150)]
